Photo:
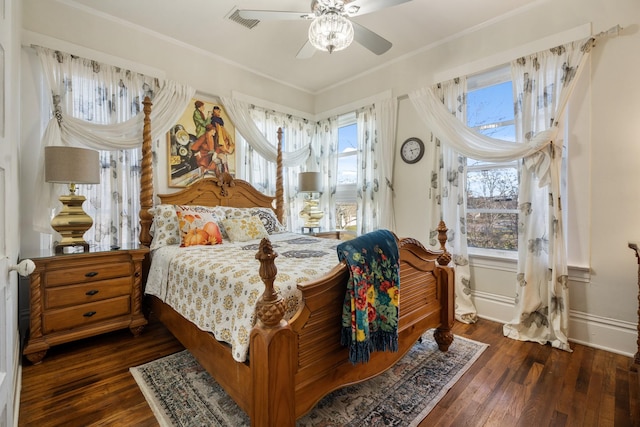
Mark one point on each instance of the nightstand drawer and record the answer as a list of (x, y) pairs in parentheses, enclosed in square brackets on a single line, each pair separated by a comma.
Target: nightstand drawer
[(86, 273), (71, 317), (87, 292)]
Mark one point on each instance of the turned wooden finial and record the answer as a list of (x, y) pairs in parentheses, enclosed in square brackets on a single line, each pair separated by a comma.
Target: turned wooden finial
[(445, 258), (271, 306)]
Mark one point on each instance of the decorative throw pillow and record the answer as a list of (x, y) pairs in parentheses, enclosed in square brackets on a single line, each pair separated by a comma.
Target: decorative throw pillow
[(235, 213), (243, 229), (198, 225), (165, 226), (269, 220)]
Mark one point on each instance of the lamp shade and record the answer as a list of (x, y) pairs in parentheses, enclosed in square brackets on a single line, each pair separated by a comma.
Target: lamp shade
[(71, 165), (310, 182)]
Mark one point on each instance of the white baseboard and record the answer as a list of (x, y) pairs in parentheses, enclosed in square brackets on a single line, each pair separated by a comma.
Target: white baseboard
[(616, 336)]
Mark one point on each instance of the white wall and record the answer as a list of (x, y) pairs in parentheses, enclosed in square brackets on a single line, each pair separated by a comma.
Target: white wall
[(604, 133)]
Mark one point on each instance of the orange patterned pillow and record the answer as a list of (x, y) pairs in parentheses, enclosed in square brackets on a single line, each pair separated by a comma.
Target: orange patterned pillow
[(198, 226)]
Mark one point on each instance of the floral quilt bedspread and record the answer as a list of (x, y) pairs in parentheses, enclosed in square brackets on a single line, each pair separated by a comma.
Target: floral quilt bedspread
[(217, 287)]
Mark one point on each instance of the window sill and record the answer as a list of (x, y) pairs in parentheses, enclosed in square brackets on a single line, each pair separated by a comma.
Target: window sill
[(493, 259), (508, 261)]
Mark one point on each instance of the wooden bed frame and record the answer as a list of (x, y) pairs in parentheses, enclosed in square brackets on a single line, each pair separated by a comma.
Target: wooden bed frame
[(293, 364)]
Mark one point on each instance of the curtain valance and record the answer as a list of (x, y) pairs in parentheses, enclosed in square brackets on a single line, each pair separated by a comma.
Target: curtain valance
[(239, 113)]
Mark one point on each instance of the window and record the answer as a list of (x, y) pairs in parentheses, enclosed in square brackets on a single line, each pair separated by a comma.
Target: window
[(346, 190), (492, 188)]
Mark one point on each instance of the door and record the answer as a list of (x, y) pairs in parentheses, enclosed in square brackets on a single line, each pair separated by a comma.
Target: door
[(10, 19)]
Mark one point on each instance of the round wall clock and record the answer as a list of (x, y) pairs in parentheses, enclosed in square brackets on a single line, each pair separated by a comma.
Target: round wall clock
[(412, 150)]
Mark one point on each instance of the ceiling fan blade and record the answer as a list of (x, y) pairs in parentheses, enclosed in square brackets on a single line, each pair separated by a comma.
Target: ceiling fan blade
[(272, 15), (369, 6), (372, 41), (306, 51)]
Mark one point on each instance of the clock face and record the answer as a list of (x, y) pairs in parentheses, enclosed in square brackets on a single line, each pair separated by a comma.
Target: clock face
[(412, 150)]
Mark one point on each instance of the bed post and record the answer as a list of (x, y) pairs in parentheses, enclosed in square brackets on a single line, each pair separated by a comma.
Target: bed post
[(146, 177), (443, 334), (279, 181), (272, 352)]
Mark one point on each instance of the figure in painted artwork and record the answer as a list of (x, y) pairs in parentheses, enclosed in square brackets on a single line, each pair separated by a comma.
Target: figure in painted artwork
[(200, 119), (224, 144), (204, 149)]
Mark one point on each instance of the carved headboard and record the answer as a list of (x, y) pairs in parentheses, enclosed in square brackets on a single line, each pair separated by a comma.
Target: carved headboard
[(219, 192)]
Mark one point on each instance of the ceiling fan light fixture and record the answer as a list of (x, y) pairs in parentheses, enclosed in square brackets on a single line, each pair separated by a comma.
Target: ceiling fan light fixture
[(331, 32)]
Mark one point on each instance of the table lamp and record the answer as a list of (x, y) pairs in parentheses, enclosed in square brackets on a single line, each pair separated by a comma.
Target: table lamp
[(70, 165), (310, 183)]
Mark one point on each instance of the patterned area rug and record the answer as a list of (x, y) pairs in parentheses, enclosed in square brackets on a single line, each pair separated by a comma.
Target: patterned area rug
[(181, 393)]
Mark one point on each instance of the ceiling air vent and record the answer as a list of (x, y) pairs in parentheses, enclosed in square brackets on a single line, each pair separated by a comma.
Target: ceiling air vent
[(247, 23)]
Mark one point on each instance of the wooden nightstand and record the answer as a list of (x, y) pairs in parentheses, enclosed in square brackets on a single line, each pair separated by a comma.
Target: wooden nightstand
[(74, 296)]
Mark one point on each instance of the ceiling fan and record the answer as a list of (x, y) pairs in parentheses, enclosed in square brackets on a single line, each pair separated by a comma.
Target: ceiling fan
[(331, 29)]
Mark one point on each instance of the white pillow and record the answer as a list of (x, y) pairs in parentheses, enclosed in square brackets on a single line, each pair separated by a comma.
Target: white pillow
[(165, 226), (269, 220), (243, 229)]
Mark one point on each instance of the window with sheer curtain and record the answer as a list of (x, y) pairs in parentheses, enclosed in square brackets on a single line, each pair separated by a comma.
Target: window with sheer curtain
[(99, 106), (543, 85), (114, 204), (346, 188)]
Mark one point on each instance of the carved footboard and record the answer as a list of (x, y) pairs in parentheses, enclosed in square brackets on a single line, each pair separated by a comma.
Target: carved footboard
[(286, 387)]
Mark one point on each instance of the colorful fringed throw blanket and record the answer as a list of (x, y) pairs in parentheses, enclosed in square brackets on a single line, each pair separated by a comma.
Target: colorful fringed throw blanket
[(370, 311)]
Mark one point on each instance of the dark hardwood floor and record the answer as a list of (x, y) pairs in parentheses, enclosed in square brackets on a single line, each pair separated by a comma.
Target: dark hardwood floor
[(87, 383)]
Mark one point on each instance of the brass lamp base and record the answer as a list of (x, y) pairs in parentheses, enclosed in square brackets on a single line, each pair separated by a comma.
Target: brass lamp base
[(72, 222), (311, 213)]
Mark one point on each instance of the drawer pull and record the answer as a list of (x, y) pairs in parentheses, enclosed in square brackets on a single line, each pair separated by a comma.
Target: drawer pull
[(91, 274), (89, 313), (92, 292)]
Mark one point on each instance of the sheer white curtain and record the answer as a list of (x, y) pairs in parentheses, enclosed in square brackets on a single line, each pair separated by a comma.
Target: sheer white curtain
[(99, 106), (541, 302), (324, 159), (260, 170), (543, 84), (386, 119), (376, 135), (449, 182), (368, 180)]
